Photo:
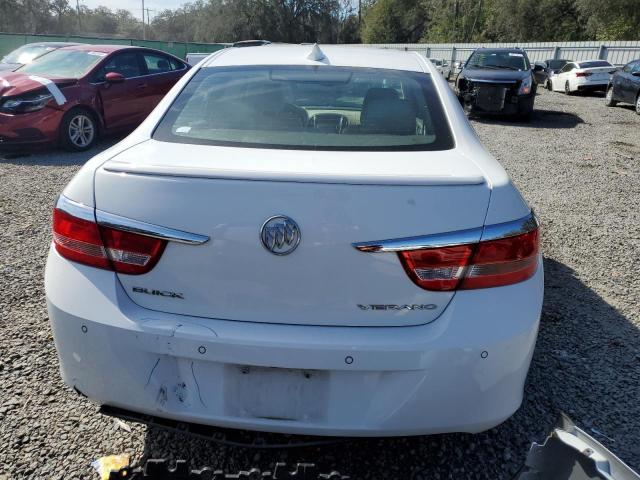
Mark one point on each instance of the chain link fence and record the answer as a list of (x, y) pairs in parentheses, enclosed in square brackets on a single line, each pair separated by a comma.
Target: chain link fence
[(616, 52)]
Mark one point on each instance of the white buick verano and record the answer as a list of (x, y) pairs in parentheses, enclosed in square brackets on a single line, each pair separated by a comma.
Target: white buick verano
[(299, 239)]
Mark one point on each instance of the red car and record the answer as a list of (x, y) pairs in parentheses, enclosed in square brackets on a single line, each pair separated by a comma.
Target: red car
[(73, 94)]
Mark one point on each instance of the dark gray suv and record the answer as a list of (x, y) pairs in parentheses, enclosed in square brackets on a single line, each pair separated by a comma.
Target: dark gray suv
[(497, 81)]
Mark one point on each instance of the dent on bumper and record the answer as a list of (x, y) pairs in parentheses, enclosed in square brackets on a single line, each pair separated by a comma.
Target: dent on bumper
[(463, 372)]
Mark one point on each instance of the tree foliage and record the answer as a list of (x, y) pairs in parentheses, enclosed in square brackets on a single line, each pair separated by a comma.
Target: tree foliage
[(390, 21), (338, 21), (326, 21)]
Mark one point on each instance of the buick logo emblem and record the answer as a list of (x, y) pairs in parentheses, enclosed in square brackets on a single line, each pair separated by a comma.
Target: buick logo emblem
[(280, 235)]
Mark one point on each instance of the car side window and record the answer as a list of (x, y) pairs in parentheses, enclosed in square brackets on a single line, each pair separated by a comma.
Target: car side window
[(126, 64), (157, 63), (634, 67), (567, 68)]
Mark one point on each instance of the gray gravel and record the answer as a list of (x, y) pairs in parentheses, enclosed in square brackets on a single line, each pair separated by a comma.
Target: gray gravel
[(577, 163)]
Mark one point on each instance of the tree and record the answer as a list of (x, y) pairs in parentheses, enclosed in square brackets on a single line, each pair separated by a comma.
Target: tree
[(610, 20), (394, 21)]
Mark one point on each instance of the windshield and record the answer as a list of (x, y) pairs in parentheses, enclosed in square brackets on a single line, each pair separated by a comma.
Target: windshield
[(498, 60), (64, 63), (308, 107), (26, 54), (595, 64)]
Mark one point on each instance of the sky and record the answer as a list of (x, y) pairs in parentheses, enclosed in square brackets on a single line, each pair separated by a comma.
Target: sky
[(134, 6)]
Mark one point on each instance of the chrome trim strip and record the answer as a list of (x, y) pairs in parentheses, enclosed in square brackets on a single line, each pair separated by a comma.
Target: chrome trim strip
[(76, 209), (437, 240), (150, 230), (510, 229), (451, 239)]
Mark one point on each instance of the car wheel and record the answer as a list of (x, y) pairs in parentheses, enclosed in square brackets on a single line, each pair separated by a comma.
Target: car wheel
[(549, 86), (78, 130), (567, 88), (608, 99)]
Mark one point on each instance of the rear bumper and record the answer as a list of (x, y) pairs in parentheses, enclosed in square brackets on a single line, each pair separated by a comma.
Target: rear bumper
[(464, 372), (592, 86)]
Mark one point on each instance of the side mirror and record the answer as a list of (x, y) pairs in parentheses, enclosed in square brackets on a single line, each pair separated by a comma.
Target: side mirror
[(537, 68), (114, 77)]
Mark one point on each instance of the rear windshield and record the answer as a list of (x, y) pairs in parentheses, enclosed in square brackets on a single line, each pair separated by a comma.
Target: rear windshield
[(64, 63), (308, 107), (556, 64), (595, 64)]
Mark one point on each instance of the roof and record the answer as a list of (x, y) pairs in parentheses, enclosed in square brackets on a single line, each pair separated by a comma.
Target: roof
[(284, 54), (99, 48), (591, 60), (501, 49), (49, 44)]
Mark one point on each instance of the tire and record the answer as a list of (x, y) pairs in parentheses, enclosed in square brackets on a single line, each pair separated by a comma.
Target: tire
[(549, 86), (567, 88), (78, 130), (638, 104), (608, 99)]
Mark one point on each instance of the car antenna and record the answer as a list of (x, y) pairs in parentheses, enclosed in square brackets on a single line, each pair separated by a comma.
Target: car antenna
[(316, 54)]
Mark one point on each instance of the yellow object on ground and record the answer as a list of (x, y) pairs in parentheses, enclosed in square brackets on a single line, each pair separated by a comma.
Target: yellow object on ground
[(105, 465)]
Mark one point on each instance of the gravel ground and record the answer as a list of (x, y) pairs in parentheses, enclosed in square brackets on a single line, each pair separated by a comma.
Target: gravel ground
[(577, 163)]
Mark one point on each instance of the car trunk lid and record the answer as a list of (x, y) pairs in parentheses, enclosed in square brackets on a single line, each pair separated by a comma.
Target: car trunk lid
[(336, 199), (598, 73)]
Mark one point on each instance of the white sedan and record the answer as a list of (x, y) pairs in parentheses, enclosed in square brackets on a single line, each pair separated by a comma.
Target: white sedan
[(299, 239), (589, 75)]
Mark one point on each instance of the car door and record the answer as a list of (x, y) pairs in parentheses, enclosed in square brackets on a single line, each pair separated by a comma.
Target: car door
[(626, 87), (162, 72), (563, 76), (634, 81), (123, 104), (540, 74)]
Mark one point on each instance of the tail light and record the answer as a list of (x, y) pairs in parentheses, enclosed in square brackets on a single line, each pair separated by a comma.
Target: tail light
[(492, 263), (490, 256), (583, 74), (84, 241)]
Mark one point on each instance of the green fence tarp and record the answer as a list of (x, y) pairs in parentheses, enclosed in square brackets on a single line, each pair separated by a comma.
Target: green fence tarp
[(11, 41)]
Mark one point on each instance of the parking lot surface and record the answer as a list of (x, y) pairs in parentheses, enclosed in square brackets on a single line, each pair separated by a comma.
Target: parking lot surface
[(578, 165)]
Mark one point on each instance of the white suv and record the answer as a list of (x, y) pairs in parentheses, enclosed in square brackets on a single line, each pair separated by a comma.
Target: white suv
[(304, 240)]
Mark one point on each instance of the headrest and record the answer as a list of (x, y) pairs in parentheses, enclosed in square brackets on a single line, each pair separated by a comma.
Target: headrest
[(387, 114), (163, 65), (378, 94)]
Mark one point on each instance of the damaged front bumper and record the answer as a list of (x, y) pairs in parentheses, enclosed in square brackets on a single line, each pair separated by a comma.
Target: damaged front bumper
[(494, 98), (461, 373)]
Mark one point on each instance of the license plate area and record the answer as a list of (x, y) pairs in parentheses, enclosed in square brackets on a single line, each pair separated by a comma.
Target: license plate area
[(275, 393)]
